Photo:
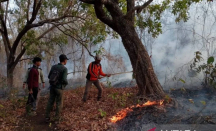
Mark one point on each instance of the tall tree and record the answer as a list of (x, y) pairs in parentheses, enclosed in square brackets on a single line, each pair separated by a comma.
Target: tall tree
[(122, 20), (30, 18)]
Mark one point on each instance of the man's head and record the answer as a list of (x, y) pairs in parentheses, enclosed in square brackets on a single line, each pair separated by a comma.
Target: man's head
[(37, 61), (98, 59), (63, 59)]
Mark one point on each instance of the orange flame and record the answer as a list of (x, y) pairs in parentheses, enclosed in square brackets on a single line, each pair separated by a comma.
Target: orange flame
[(122, 113)]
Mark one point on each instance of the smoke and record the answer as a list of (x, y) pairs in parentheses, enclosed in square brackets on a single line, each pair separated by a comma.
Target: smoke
[(173, 51)]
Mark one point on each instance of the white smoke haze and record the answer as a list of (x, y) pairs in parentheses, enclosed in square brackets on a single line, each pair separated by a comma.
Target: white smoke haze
[(171, 52)]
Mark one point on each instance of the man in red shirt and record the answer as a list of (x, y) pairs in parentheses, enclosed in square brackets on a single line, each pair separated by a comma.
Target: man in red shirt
[(94, 72), (33, 84)]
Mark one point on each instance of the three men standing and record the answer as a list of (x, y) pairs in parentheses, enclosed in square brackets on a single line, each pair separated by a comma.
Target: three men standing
[(58, 81), (94, 72)]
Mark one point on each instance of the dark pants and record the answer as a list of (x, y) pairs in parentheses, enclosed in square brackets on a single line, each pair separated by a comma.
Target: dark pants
[(32, 100), (88, 85), (55, 95)]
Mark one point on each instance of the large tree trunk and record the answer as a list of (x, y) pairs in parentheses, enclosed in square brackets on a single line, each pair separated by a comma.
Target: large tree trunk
[(142, 67), (10, 72)]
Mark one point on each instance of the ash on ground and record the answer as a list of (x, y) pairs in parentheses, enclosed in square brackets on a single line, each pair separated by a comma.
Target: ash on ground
[(193, 108)]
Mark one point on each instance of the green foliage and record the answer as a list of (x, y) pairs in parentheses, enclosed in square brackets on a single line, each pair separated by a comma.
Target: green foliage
[(120, 99), (102, 113), (191, 101), (203, 102), (114, 96), (153, 14), (210, 60), (183, 81), (100, 51), (1, 106), (207, 68), (109, 82), (167, 98), (181, 7)]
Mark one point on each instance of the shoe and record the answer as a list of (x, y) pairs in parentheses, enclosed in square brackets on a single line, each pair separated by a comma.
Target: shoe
[(84, 100), (47, 119), (99, 98)]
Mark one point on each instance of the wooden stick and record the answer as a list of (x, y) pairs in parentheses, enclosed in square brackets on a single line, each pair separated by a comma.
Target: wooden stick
[(75, 72), (122, 73), (119, 73)]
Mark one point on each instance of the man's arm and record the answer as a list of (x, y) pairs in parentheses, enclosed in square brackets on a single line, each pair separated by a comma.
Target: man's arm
[(42, 78), (64, 77), (101, 72)]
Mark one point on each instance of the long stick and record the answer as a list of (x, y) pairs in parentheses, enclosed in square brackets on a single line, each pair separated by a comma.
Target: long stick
[(75, 72), (119, 73), (122, 73)]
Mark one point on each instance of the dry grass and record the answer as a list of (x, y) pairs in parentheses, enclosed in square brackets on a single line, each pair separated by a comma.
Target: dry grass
[(92, 115)]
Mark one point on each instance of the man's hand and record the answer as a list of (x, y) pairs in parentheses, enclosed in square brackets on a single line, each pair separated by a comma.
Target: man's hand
[(30, 92), (99, 77), (108, 75), (23, 85), (43, 85)]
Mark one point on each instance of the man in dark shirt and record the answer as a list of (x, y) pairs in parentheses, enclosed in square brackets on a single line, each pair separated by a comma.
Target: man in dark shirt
[(33, 84), (56, 90)]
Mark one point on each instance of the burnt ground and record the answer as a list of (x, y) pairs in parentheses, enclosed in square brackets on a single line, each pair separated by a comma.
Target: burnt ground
[(192, 108)]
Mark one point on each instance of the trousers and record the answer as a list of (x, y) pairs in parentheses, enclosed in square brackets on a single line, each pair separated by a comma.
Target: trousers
[(56, 95), (88, 85)]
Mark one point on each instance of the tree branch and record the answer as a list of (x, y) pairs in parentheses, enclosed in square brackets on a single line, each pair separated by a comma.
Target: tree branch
[(19, 56), (47, 31), (6, 12), (77, 41), (3, 0), (138, 8), (36, 8), (88, 1), (27, 13), (130, 5), (100, 13), (4, 30)]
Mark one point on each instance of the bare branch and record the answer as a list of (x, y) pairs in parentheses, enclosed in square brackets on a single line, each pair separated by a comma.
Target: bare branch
[(138, 8), (3, 0), (40, 23), (6, 12), (36, 8), (25, 59), (4, 30), (83, 44), (47, 31), (27, 13), (88, 1), (20, 56)]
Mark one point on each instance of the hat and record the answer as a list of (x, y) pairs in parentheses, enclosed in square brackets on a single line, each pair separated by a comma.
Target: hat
[(63, 57), (98, 57), (36, 59)]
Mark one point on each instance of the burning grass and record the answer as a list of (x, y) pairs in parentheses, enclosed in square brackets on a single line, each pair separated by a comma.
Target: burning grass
[(118, 105), (123, 113)]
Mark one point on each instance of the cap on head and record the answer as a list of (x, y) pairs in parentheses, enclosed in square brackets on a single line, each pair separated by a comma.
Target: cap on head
[(98, 57), (63, 57), (36, 59)]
